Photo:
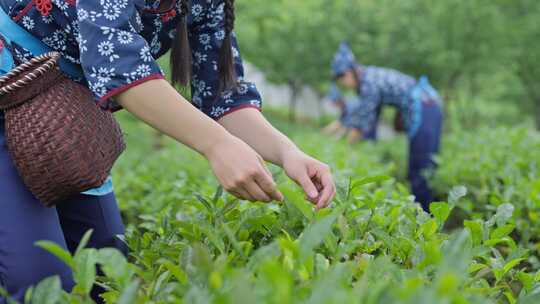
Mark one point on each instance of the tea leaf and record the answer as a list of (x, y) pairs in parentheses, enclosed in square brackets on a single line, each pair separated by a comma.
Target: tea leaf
[(440, 211), (456, 193), (129, 294), (48, 291), (58, 251), (85, 270)]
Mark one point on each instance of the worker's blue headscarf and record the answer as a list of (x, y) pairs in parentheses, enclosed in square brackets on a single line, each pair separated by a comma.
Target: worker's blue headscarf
[(344, 60)]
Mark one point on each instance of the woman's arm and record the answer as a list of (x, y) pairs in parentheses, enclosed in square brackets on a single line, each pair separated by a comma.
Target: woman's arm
[(312, 175), (238, 168), (234, 107), (118, 64)]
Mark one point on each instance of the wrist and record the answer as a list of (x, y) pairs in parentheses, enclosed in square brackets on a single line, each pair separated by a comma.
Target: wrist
[(285, 152), (214, 143)]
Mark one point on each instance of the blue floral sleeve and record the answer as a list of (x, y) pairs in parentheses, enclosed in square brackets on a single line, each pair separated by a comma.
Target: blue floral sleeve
[(362, 114), (334, 95), (113, 55), (206, 37)]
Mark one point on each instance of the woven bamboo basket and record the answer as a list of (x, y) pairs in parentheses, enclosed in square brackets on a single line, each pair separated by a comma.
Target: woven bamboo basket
[(61, 142)]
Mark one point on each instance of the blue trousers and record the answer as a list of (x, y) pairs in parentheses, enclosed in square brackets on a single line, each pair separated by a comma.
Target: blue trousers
[(24, 220), (422, 147)]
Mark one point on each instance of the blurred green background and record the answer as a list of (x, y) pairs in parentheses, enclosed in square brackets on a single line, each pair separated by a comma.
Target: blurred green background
[(483, 55)]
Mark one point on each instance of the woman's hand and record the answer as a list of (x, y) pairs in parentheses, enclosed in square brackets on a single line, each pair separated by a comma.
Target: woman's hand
[(354, 136), (312, 175), (332, 128), (241, 171), (238, 167)]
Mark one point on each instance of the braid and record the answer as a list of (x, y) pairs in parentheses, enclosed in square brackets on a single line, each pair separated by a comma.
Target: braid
[(227, 72), (184, 8), (180, 60), (230, 16)]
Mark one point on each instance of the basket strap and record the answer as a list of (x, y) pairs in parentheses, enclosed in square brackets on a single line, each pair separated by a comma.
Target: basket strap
[(15, 33)]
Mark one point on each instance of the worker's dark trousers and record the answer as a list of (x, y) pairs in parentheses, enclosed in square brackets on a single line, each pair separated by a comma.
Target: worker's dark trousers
[(422, 147), (24, 220)]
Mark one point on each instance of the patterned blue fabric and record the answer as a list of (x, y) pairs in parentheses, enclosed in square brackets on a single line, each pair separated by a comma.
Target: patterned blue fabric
[(117, 41), (351, 104), (344, 60), (379, 87), (334, 94), (11, 30)]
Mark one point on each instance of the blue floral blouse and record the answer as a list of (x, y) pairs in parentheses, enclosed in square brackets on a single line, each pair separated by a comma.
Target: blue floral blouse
[(380, 86), (116, 42)]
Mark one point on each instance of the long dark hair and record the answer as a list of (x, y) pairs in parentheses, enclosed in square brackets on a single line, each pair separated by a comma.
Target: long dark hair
[(181, 52)]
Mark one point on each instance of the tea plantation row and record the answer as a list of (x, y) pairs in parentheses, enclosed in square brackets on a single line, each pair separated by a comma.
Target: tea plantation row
[(191, 243)]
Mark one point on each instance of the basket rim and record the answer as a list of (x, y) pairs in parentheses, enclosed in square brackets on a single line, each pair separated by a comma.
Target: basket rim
[(34, 68)]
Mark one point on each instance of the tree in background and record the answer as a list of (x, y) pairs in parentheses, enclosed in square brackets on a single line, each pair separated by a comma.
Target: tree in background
[(291, 41), (483, 50), (524, 41)]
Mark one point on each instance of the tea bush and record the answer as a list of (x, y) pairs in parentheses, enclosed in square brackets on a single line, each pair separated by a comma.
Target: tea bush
[(191, 243), (498, 166)]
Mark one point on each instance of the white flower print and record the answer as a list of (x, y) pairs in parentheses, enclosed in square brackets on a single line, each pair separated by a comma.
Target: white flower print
[(110, 31), (127, 41), (196, 10), (156, 47), (227, 96), (47, 19), (218, 111), (138, 21), (82, 14), (82, 44), (75, 27), (98, 88), (200, 57), (61, 4), (242, 88), (157, 22), (106, 49), (111, 11), (94, 16), (202, 88), (143, 70), (28, 22), (216, 16), (125, 37), (57, 40), (204, 39), (146, 56), (220, 35), (23, 54), (256, 103), (103, 74), (121, 3)]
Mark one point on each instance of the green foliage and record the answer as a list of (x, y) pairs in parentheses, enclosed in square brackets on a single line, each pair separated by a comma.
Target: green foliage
[(501, 169), (471, 50), (192, 243)]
